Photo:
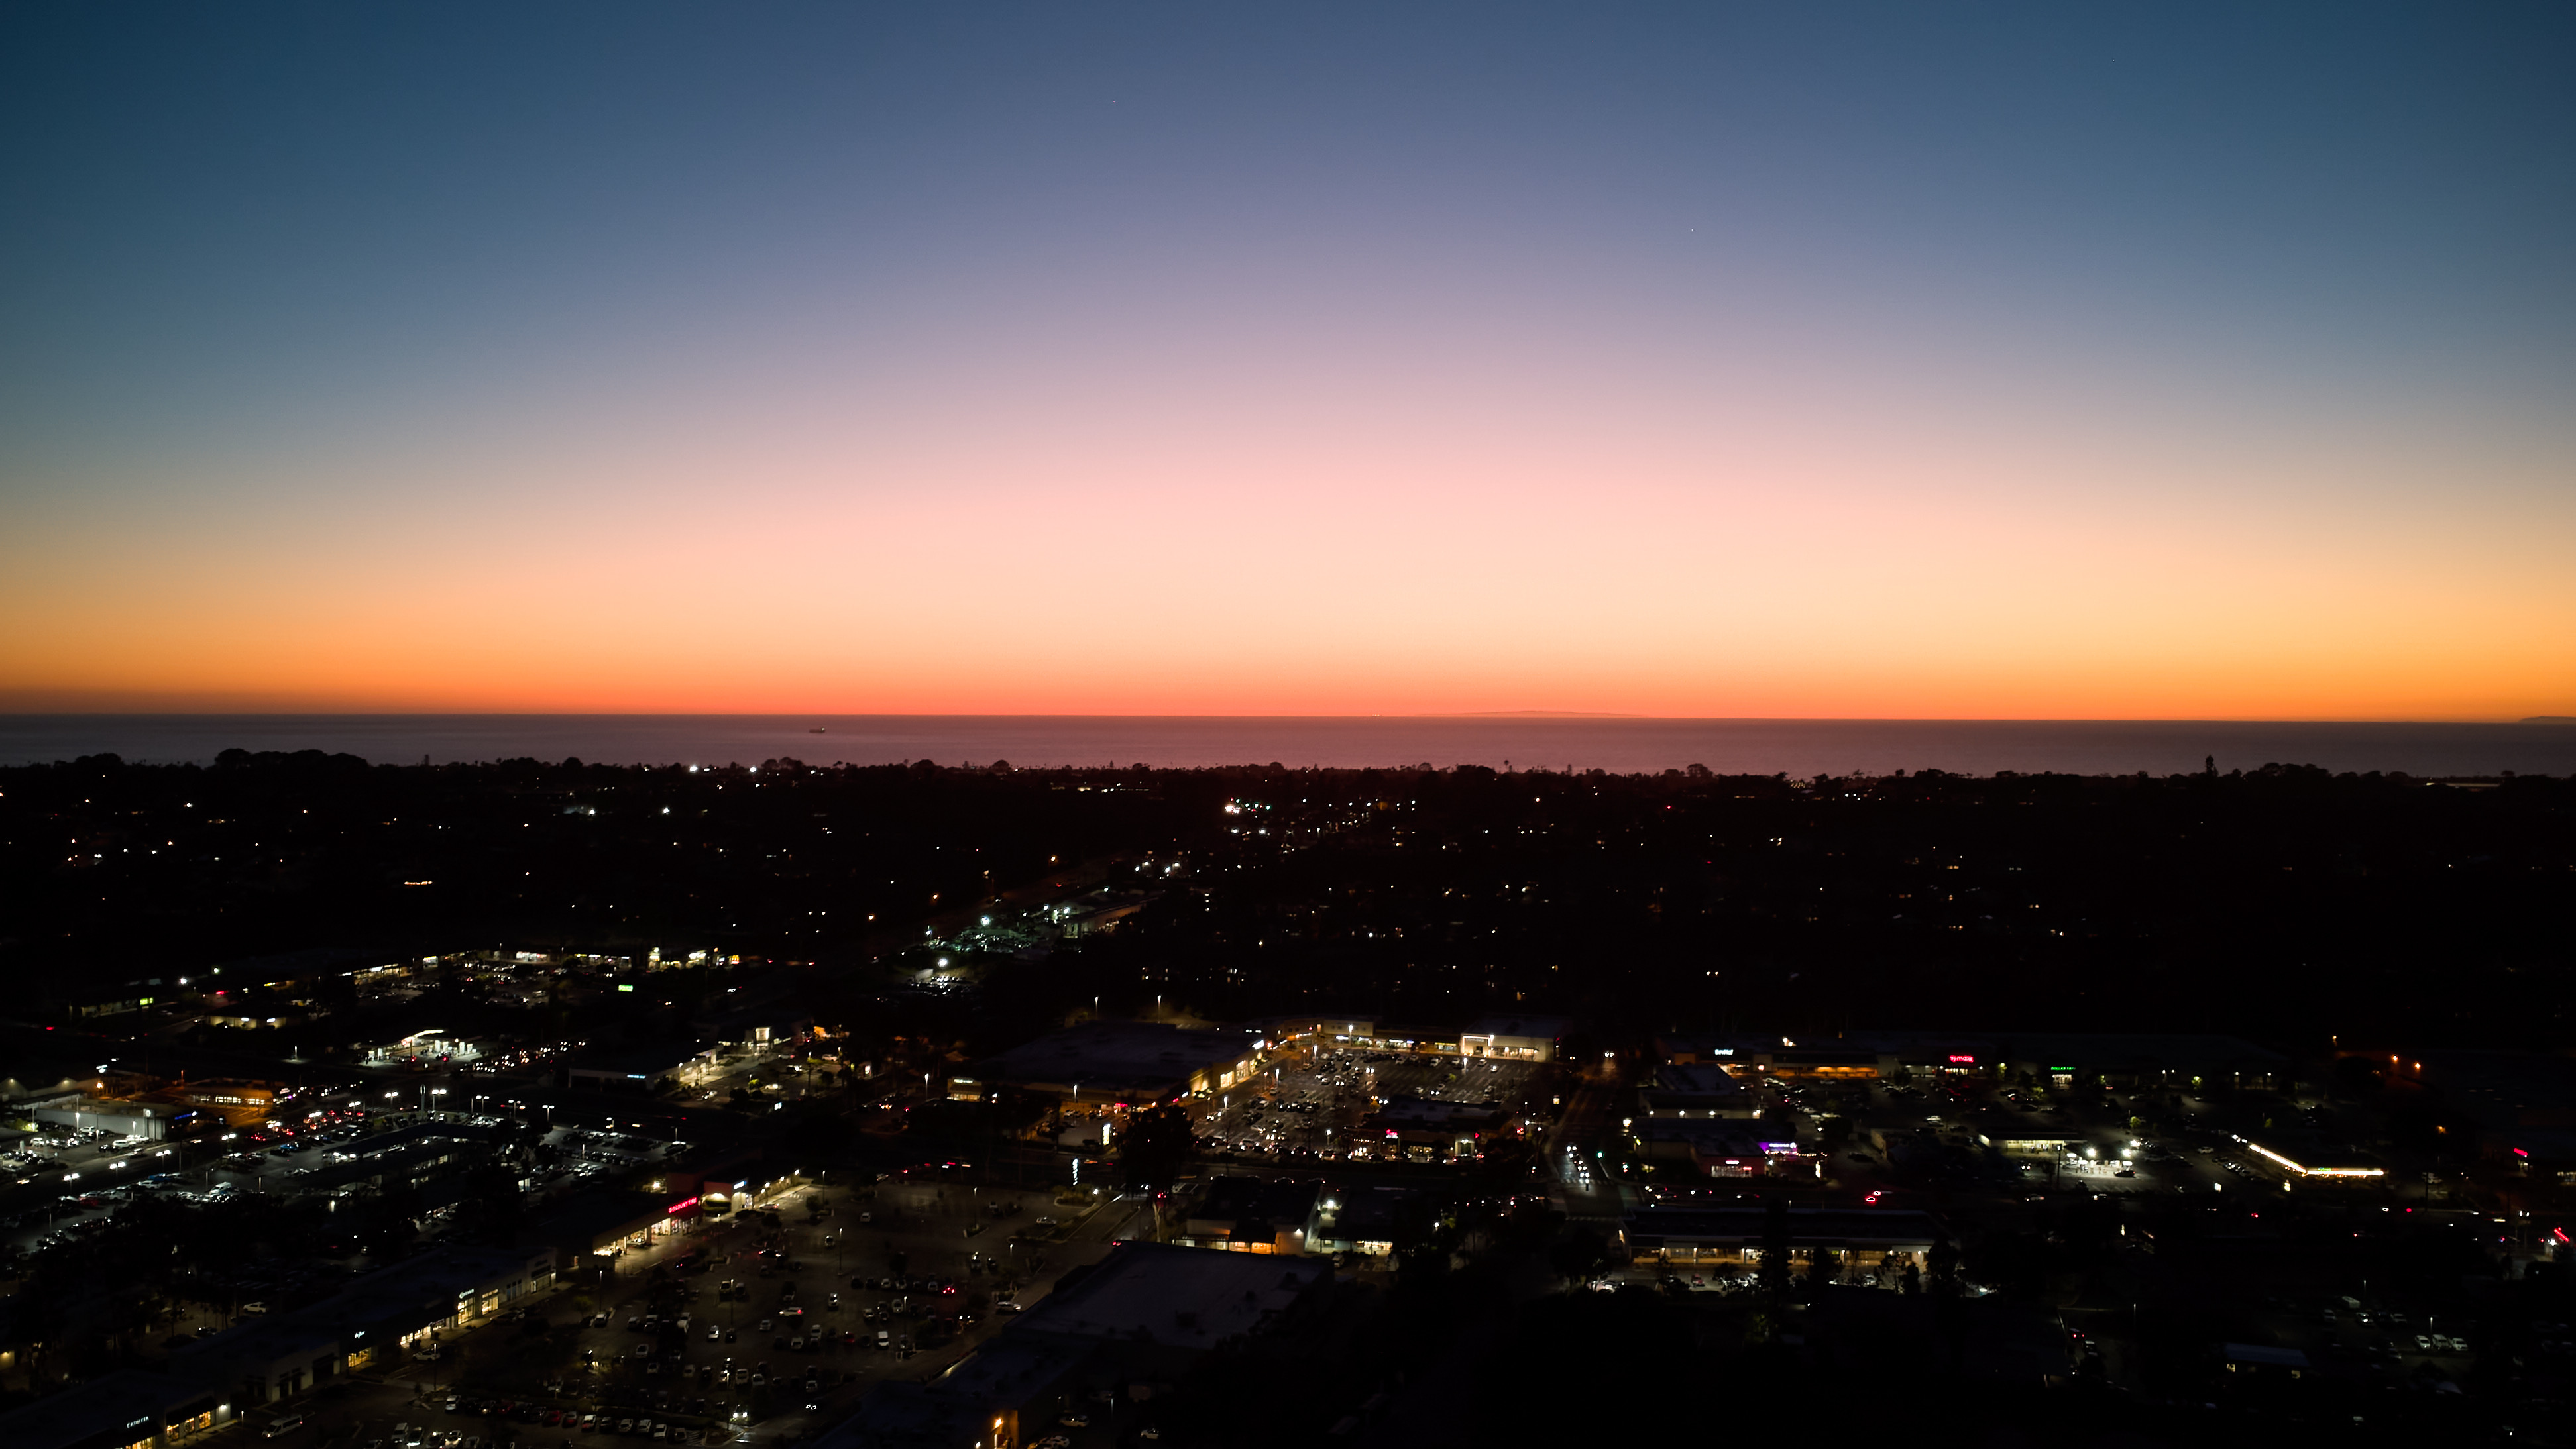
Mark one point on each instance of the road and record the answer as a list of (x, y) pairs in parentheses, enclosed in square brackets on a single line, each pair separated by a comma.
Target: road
[(1582, 1190)]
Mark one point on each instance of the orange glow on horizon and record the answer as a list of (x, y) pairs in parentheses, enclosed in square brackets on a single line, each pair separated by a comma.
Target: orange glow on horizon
[(1035, 614), (1530, 549)]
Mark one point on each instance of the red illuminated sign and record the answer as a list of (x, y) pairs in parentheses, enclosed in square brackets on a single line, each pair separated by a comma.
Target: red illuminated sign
[(1965, 1061), (682, 1206)]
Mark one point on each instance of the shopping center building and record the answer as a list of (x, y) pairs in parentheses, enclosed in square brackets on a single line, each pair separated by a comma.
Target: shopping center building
[(238, 1373), (369, 1324), (1119, 1063), (2181, 1061), (1731, 1238)]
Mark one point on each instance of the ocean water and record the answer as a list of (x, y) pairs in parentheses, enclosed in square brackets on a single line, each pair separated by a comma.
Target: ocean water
[(1729, 746)]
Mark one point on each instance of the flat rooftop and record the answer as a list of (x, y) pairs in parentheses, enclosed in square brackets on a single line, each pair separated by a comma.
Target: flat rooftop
[(904, 1415), (2085, 1051), (1182, 1297), (1808, 1227), (2093, 1050), (1545, 1028), (1117, 1058), (1719, 1136), (1706, 1079), (1361, 1214), (115, 1408), (405, 1296), (1430, 1112), (1240, 1199), (642, 1061), (1015, 1366), (584, 1217)]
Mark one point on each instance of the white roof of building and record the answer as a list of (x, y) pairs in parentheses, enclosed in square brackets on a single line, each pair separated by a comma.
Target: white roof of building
[(1189, 1297)]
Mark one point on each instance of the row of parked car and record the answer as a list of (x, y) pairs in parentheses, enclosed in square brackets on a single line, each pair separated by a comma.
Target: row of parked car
[(423, 1436), (607, 1421)]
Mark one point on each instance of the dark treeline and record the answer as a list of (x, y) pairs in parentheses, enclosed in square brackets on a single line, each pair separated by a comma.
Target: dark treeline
[(2285, 903), (116, 866)]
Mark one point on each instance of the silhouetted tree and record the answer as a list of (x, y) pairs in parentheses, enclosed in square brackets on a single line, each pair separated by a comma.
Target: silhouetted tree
[(1155, 1147), (1774, 1276)]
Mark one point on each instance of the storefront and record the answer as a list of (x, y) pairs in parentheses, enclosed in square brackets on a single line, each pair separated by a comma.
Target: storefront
[(1882, 1240)]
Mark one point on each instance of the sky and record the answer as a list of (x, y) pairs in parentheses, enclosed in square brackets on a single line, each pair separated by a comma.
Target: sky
[(1829, 360)]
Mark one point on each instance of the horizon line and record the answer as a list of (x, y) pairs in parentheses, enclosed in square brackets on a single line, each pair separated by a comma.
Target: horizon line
[(1499, 714)]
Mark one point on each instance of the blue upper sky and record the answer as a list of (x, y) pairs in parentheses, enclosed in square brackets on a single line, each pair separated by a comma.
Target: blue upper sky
[(217, 207)]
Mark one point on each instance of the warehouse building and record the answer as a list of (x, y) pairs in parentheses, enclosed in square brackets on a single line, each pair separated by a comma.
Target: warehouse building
[(235, 1374), (1147, 1312), (1119, 1063)]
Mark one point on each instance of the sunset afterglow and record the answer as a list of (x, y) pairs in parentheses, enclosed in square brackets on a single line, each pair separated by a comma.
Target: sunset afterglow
[(1656, 360)]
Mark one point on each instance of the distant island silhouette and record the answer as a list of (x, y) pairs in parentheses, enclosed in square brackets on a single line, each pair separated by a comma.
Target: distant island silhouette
[(1528, 714), (2549, 719)]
